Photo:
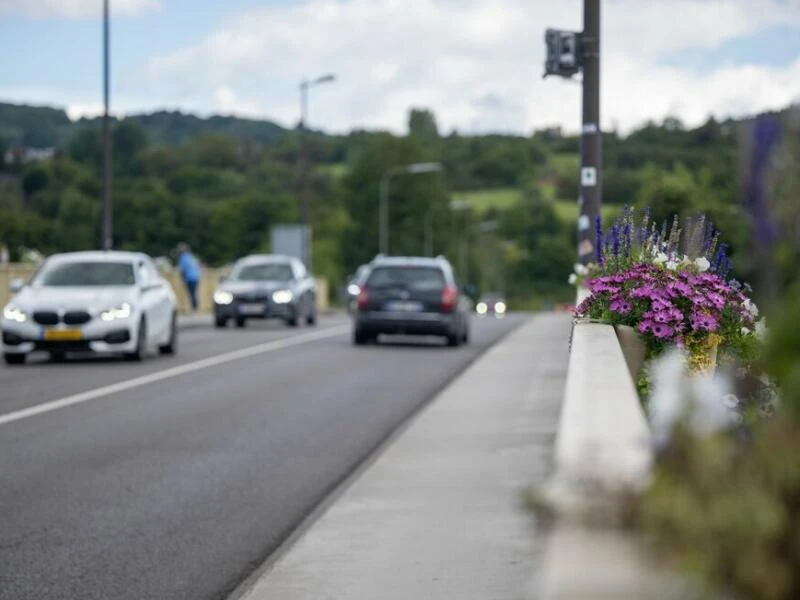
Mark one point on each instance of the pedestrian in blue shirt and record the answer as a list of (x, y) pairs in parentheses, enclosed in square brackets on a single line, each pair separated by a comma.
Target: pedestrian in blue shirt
[(190, 272)]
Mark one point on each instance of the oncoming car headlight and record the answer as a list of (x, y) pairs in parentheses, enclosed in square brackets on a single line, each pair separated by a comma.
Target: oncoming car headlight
[(353, 289), (500, 308), (12, 313), (282, 297), (481, 308), (223, 297), (123, 311)]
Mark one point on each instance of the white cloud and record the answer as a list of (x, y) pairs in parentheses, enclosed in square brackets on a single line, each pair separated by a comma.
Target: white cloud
[(449, 55), (76, 9), (476, 63)]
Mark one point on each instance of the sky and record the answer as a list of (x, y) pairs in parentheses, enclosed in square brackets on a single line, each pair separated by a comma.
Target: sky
[(477, 64)]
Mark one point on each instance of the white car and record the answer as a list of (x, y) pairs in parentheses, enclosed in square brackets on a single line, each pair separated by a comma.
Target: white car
[(99, 302)]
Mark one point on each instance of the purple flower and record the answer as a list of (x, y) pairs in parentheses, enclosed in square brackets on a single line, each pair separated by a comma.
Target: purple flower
[(598, 240), (661, 304), (645, 292), (621, 306), (645, 326), (662, 316), (661, 330), (716, 300), (680, 288), (704, 322)]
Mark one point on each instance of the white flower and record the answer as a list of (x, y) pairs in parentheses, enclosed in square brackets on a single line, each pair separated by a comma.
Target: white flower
[(581, 269), (730, 400), (751, 307), (702, 264), (660, 258), (761, 329), (573, 279), (672, 265), (705, 399)]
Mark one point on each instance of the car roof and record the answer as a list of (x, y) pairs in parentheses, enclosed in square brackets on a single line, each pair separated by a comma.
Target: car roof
[(98, 256), (266, 259), (414, 261)]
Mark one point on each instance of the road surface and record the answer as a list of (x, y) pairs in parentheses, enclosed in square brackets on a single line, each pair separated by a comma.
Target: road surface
[(177, 477)]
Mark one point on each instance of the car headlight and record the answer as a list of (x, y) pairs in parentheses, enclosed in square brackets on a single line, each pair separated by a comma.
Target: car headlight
[(123, 311), (481, 308), (12, 313), (223, 297), (500, 308), (282, 297), (353, 289)]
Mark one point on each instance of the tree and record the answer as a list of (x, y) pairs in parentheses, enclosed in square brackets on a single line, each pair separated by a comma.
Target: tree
[(128, 140), (410, 197), (422, 128)]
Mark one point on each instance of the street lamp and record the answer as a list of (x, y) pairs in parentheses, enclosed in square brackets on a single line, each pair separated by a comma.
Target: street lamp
[(453, 205), (108, 228), (383, 203), (305, 85)]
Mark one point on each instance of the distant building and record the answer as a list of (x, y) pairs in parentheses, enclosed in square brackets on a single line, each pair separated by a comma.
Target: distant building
[(22, 155)]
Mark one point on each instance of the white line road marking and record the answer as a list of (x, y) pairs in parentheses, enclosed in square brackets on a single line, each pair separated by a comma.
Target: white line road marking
[(191, 367)]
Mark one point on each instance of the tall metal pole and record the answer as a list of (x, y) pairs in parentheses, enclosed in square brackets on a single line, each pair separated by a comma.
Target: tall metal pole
[(108, 228), (383, 214), (305, 192), (590, 199)]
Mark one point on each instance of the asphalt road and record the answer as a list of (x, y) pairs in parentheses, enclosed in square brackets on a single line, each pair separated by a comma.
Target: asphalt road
[(185, 475)]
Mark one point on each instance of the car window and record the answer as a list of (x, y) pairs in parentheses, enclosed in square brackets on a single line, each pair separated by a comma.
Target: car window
[(420, 279), (148, 274), (263, 272), (299, 269), (85, 273)]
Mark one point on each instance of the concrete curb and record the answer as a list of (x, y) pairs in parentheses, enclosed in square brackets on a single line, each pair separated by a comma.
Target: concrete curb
[(603, 456), (194, 321)]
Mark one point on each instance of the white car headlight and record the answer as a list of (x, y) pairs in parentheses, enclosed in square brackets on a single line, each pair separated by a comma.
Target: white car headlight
[(223, 297), (12, 313), (123, 311), (500, 308), (353, 289), (282, 297), (481, 308)]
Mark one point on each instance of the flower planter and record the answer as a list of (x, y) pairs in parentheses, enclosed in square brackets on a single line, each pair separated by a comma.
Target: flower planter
[(633, 349), (703, 358)]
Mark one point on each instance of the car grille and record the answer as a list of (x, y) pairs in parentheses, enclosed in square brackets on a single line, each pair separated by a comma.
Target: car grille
[(77, 317), (46, 317), (251, 297), (73, 317)]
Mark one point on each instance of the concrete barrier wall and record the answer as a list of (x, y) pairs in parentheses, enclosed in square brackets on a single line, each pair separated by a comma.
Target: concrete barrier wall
[(205, 292), (604, 439)]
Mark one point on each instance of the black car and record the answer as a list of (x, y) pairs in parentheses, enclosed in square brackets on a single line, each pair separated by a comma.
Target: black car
[(266, 287), (413, 296), (354, 283)]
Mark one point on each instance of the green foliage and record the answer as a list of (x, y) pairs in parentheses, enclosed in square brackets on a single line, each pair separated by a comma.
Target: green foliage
[(32, 126), (221, 182), (727, 507)]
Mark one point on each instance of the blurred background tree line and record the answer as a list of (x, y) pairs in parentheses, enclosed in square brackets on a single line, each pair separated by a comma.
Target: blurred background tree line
[(221, 183)]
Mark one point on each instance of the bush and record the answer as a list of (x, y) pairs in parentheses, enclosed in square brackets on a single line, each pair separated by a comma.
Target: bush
[(727, 507)]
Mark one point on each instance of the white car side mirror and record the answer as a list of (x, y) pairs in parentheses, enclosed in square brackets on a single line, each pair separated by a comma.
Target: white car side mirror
[(16, 285)]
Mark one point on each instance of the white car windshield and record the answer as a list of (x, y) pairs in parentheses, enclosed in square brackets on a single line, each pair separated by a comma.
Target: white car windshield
[(85, 273), (263, 272)]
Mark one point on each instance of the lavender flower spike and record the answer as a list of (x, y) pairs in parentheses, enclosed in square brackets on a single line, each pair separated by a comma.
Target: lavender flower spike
[(598, 239)]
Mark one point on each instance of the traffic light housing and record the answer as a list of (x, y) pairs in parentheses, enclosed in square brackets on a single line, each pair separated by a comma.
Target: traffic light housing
[(563, 53)]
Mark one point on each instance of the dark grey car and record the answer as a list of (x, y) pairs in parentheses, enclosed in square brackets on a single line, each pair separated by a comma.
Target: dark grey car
[(266, 287), (413, 296)]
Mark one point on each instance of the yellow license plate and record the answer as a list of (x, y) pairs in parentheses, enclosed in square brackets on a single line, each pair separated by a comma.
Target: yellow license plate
[(62, 335)]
